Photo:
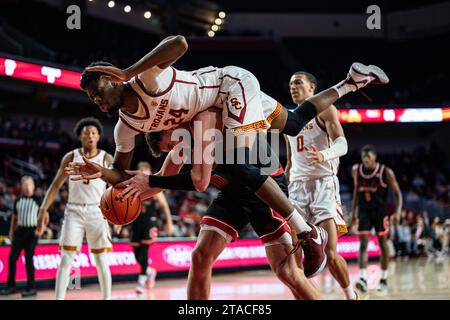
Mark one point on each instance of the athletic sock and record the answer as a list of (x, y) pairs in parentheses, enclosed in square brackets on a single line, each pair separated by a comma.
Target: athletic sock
[(384, 274), (298, 222), (342, 88), (349, 293), (63, 274), (363, 274), (141, 279), (104, 275)]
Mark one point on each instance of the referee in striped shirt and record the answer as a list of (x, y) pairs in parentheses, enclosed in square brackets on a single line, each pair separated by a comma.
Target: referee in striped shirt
[(23, 235)]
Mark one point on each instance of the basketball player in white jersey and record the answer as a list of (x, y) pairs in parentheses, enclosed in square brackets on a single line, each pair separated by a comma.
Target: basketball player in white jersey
[(153, 96), (312, 165), (82, 214)]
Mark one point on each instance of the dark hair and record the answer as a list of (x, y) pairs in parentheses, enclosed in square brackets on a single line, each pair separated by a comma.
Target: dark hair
[(311, 78), (153, 139), (88, 76), (90, 121), (368, 148)]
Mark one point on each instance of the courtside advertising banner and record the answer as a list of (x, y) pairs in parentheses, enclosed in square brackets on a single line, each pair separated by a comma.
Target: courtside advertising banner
[(163, 256)]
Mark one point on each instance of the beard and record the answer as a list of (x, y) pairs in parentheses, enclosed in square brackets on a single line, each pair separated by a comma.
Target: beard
[(113, 109)]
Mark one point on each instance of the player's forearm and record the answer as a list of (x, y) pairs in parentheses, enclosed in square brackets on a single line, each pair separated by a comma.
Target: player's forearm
[(114, 176), (398, 201), (150, 193), (50, 196), (338, 148), (181, 181), (167, 214), (168, 50)]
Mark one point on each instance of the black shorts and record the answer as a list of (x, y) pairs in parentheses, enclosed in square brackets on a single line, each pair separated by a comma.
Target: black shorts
[(140, 231), (231, 212), (373, 218)]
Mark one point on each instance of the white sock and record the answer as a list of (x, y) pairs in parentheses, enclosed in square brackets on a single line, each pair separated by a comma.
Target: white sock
[(63, 274), (141, 279), (384, 274), (298, 222), (349, 293), (343, 88), (104, 275), (363, 274)]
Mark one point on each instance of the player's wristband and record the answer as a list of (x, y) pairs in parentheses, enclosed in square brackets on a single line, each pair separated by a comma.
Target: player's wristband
[(338, 149), (181, 181)]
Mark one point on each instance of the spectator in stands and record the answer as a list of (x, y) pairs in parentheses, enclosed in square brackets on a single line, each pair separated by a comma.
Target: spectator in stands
[(420, 235), (404, 238), (438, 237), (5, 217)]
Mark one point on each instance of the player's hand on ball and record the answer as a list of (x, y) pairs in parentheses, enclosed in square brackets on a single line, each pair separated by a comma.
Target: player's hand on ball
[(86, 170), (135, 186), (113, 74), (314, 156)]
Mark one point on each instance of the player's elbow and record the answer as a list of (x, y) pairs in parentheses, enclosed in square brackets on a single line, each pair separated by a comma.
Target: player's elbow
[(200, 182), (181, 42)]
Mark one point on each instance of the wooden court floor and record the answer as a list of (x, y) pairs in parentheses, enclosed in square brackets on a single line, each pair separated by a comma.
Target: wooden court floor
[(422, 279)]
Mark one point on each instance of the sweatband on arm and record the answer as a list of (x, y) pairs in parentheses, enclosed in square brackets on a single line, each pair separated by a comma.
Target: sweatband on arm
[(338, 148), (181, 181)]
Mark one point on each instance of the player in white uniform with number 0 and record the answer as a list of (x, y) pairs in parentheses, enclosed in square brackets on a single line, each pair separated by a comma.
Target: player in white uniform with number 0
[(82, 215), (312, 166)]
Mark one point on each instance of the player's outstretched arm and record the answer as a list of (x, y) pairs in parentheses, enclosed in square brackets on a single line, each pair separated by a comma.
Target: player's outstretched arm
[(164, 55), (90, 170), (138, 185), (52, 191)]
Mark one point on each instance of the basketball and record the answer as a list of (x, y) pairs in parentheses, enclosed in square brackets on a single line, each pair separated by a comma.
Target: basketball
[(119, 212)]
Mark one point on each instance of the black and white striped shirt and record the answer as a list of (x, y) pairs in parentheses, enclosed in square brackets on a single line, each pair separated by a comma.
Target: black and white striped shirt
[(27, 210)]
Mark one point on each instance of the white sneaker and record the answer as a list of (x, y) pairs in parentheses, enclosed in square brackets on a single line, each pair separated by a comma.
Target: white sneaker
[(140, 286), (151, 276), (361, 285), (382, 286), (361, 75)]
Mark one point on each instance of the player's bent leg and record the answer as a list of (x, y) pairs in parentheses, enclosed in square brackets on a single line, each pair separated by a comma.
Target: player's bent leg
[(358, 77), (285, 267), (336, 263), (63, 273), (104, 274), (210, 243)]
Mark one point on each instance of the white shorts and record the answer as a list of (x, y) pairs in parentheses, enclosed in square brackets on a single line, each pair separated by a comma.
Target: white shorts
[(79, 219), (318, 200), (246, 108)]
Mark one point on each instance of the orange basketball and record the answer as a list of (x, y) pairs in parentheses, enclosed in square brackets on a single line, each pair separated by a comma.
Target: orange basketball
[(119, 212)]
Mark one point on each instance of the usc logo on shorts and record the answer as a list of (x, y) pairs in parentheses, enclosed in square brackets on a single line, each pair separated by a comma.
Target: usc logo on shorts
[(235, 103)]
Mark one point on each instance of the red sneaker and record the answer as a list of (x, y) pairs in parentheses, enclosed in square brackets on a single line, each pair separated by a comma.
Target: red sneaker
[(313, 244)]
